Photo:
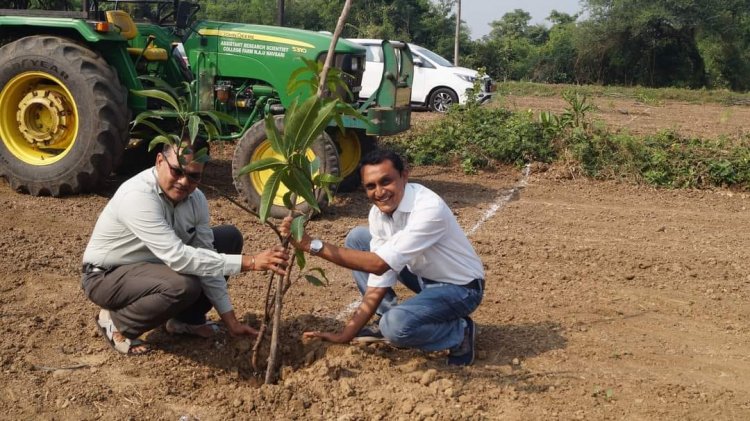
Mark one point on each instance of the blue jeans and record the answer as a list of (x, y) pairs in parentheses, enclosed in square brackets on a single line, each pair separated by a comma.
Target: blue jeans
[(432, 320)]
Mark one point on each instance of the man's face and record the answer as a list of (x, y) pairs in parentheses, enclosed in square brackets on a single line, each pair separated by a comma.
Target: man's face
[(384, 185), (177, 183)]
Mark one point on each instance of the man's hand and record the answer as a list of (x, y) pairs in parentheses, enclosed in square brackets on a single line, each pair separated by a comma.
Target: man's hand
[(286, 228), (274, 259), (234, 326), (337, 337), (241, 329)]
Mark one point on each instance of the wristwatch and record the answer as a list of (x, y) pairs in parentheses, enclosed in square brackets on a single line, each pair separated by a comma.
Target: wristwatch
[(316, 246)]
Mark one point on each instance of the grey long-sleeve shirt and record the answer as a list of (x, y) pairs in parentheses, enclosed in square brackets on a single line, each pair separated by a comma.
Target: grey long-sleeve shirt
[(139, 224)]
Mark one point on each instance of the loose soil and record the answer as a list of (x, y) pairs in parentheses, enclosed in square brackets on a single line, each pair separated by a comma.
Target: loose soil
[(603, 301)]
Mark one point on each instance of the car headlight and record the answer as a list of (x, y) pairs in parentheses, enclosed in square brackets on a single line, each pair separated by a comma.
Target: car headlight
[(467, 78)]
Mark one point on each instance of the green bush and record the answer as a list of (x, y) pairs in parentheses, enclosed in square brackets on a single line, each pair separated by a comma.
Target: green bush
[(476, 137)]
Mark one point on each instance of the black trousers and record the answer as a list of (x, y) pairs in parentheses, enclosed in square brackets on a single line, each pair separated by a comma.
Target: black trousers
[(142, 296)]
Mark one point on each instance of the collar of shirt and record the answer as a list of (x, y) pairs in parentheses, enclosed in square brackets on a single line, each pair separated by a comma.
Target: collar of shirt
[(407, 201)]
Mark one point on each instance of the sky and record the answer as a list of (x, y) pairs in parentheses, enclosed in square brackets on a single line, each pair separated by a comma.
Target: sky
[(479, 13)]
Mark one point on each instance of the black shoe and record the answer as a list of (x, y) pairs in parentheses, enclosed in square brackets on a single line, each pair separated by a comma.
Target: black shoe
[(369, 334), (464, 353)]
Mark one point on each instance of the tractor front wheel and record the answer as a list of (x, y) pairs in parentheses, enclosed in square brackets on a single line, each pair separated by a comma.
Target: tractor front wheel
[(352, 145), (254, 145), (63, 116)]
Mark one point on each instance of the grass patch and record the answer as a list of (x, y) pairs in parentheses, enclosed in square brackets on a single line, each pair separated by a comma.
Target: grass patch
[(477, 137), (646, 95)]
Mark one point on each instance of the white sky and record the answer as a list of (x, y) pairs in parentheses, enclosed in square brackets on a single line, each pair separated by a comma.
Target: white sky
[(479, 13)]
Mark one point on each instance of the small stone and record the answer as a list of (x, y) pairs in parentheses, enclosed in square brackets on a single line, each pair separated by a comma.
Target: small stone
[(426, 410), (428, 377), (237, 403), (516, 361)]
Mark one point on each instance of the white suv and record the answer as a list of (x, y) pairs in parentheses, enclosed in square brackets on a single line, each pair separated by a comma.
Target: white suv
[(437, 82)]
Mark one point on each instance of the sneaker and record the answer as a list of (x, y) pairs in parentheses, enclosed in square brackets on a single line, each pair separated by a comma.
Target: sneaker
[(464, 353), (369, 334)]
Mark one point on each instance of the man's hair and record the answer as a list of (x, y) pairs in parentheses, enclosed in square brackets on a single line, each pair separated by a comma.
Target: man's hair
[(197, 145), (378, 156)]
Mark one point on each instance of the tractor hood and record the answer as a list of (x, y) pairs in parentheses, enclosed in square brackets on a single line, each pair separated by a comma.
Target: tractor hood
[(270, 41)]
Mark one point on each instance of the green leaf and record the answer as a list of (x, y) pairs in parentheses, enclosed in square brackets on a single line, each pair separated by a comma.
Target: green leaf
[(298, 228), (157, 94), (315, 281), (152, 126), (287, 198), (315, 165), (218, 117), (301, 184), (329, 192), (317, 125), (262, 164), (269, 193), (193, 125), (300, 256), (329, 178), (211, 130), (299, 122), (273, 136), (166, 140), (300, 161), (161, 84), (201, 156), (321, 272)]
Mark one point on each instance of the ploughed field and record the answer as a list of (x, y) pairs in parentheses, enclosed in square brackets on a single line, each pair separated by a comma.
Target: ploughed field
[(604, 301)]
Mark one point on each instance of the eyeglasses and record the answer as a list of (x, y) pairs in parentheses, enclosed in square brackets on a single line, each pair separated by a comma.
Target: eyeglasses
[(177, 172)]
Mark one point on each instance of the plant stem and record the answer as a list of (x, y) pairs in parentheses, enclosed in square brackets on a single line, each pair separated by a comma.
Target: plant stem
[(275, 329), (332, 47)]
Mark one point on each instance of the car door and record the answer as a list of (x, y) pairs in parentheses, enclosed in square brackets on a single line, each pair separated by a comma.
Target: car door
[(423, 78)]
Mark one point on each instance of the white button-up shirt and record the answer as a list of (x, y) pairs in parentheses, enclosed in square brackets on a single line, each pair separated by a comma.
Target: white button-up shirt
[(423, 235), (139, 224)]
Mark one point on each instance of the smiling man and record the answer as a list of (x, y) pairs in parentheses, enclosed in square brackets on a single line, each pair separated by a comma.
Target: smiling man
[(413, 238), (154, 259)]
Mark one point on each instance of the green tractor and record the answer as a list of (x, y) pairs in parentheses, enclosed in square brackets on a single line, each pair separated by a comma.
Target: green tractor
[(66, 79)]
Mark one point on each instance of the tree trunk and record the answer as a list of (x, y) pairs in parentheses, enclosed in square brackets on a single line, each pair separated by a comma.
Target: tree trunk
[(458, 32)]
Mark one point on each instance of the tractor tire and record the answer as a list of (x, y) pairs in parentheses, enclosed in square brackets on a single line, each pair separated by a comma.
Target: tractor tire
[(136, 157), (441, 100), (352, 145), (254, 145), (63, 116)]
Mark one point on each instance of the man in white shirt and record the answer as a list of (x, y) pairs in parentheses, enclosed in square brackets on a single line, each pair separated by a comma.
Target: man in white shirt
[(153, 258), (413, 238)]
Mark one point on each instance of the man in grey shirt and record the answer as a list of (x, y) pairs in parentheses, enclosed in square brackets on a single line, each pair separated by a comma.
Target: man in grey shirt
[(153, 258)]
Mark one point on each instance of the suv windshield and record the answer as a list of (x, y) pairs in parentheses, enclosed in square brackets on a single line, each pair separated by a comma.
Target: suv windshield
[(432, 56)]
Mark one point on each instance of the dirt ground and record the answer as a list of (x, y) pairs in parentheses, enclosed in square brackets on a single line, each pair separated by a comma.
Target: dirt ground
[(603, 301)]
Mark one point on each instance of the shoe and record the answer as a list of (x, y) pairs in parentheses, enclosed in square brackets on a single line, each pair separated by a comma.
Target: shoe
[(369, 334), (125, 346), (175, 326), (464, 353)]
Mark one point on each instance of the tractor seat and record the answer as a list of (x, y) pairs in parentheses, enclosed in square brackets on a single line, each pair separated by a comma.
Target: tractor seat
[(122, 20)]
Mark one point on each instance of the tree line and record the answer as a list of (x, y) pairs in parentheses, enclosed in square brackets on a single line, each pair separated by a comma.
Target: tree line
[(654, 43)]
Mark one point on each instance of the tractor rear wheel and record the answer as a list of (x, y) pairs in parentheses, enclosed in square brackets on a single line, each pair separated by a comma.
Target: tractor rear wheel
[(352, 145), (254, 145), (63, 116)]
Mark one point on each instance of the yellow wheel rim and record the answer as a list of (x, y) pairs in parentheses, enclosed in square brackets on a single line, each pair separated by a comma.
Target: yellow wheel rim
[(38, 118), (259, 178), (350, 152)]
